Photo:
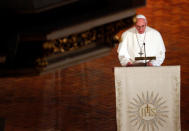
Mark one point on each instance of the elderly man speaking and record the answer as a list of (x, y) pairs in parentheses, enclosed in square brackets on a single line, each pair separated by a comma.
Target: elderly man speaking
[(132, 44)]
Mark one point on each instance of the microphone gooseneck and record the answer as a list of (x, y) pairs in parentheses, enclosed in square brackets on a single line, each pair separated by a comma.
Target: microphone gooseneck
[(145, 53)]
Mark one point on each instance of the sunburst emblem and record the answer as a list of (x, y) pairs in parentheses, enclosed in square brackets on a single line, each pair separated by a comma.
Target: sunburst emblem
[(148, 112)]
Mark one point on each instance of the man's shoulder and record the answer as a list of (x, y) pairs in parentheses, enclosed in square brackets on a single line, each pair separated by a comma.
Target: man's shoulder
[(152, 30), (129, 31)]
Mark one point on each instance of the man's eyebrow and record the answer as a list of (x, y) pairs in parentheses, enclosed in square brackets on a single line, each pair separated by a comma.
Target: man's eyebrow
[(140, 25)]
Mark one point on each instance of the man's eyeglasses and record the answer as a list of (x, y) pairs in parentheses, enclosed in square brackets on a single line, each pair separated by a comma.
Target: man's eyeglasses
[(139, 27)]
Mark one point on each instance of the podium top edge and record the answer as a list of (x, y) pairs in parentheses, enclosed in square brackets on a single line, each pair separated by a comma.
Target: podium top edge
[(148, 66)]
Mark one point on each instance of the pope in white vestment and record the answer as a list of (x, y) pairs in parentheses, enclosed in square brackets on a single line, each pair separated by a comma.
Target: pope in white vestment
[(132, 44)]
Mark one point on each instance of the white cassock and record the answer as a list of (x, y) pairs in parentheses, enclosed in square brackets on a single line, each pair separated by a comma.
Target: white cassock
[(132, 44)]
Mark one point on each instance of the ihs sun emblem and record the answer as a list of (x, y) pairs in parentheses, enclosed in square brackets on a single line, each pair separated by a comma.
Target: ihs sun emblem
[(148, 112)]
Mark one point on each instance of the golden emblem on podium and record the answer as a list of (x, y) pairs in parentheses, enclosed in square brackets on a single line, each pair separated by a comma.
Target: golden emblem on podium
[(147, 112)]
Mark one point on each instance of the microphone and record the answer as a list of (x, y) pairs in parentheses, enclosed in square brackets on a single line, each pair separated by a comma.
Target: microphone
[(145, 53)]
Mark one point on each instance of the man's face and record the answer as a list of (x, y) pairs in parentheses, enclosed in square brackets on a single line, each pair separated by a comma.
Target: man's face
[(140, 25)]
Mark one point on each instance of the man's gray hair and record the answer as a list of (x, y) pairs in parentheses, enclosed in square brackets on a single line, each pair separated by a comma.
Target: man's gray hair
[(141, 16)]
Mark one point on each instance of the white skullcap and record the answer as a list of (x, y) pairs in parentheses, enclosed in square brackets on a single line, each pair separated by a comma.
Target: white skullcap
[(141, 16)]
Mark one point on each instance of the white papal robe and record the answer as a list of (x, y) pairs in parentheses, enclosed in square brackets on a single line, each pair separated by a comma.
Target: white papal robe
[(132, 42)]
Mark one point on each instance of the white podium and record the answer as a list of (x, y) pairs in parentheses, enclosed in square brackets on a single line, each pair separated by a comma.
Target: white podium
[(148, 98)]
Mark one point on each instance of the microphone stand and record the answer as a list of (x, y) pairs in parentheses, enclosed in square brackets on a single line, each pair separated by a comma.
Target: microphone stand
[(145, 53)]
